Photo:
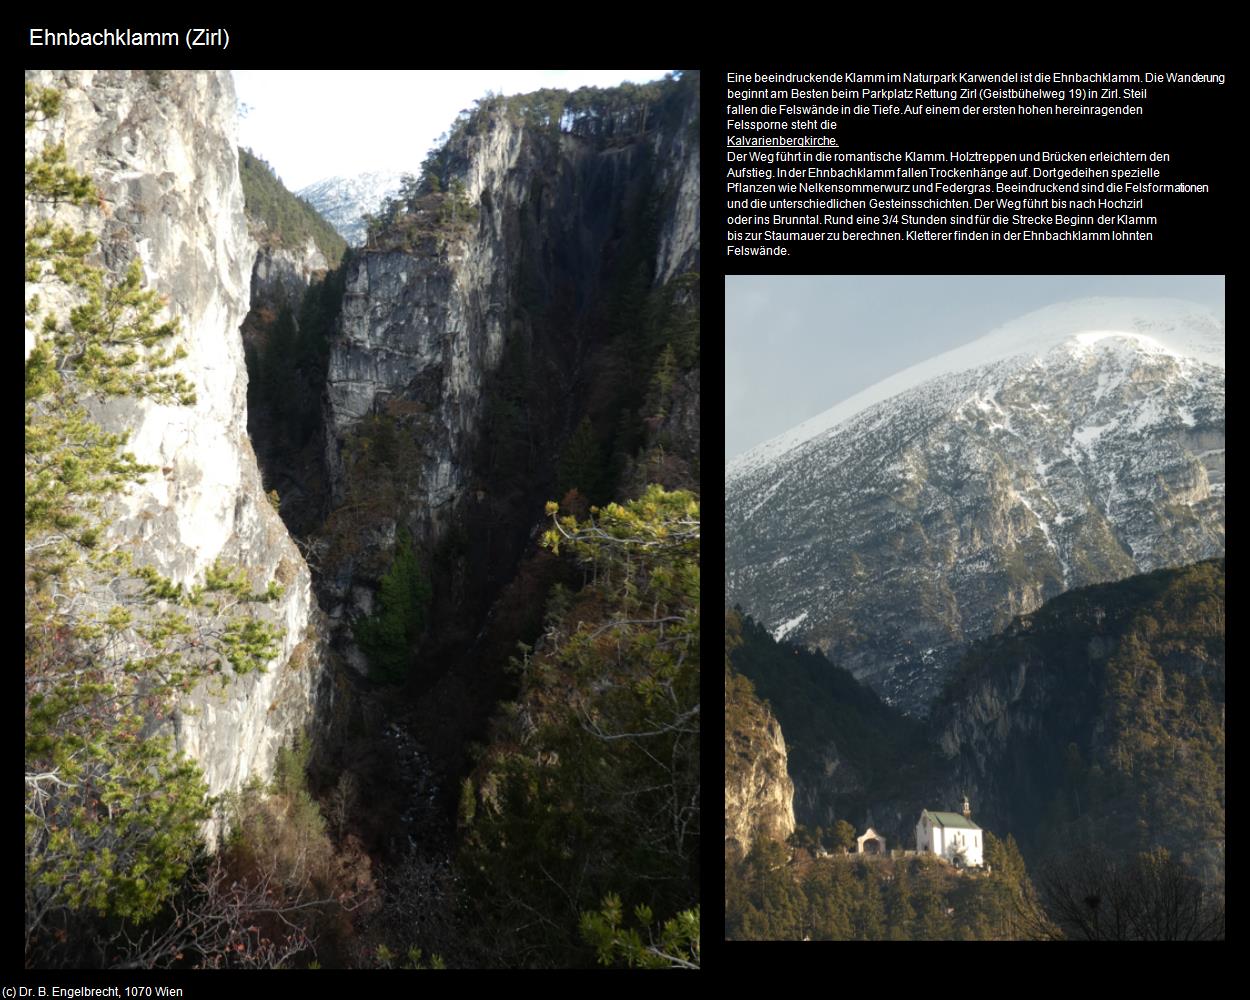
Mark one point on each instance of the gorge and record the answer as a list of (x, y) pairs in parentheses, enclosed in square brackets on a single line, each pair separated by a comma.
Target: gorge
[(521, 326)]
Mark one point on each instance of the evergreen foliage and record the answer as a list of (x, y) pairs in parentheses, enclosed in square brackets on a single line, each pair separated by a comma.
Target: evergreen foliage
[(861, 898), (383, 460), (387, 637), (844, 836), (817, 704), (675, 945), (289, 221), (420, 215), (590, 786), (582, 465), (112, 817)]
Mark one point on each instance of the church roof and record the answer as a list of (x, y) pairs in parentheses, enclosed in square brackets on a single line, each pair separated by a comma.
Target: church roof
[(952, 820)]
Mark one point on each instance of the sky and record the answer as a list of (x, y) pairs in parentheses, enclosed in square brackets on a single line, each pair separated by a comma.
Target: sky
[(315, 124), (796, 346)]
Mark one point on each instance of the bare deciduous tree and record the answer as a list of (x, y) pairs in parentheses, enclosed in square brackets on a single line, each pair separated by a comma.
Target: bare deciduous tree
[(1092, 896)]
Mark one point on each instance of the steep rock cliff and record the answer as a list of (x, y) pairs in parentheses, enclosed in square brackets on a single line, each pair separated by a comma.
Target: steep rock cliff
[(759, 795), (295, 294), (554, 237), (852, 757), (160, 147), (282, 274), (428, 322)]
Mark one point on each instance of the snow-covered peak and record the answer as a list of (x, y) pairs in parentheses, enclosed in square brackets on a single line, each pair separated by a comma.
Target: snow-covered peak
[(342, 201), (1170, 326)]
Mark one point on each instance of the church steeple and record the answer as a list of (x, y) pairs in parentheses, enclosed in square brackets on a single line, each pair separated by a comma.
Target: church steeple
[(967, 808)]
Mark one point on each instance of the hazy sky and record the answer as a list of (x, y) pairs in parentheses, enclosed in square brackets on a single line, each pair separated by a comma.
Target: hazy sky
[(311, 125), (796, 346)]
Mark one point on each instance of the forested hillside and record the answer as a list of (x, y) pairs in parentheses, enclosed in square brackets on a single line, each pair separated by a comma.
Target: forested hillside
[(1099, 720), (842, 898), (848, 750), (288, 220)]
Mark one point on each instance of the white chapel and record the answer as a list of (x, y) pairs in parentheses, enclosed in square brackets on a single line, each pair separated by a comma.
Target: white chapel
[(951, 836)]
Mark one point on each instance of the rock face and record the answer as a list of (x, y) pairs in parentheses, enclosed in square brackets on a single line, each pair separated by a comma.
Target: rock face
[(759, 795), (429, 324), (555, 226), (428, 327), (281, 274), (160, 147), (1080, 444)]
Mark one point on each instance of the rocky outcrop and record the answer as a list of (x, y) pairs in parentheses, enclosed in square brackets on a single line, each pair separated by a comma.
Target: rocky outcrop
[(759, 795), (282, 274), (677, 159), (428, 327), (160, 147)]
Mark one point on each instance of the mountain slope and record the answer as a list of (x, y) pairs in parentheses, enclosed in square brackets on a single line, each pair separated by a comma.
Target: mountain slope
[(278, 219), (850, 755), (1084, 443), (342, 201), (1100, 720)]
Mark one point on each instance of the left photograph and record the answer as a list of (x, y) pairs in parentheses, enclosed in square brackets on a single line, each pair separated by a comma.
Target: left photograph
[(362, 519)]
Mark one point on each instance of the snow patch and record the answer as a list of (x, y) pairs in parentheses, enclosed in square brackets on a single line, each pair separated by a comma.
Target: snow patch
[(1087, 436), (785, 628)]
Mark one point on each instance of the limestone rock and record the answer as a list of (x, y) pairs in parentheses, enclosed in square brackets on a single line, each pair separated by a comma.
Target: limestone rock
[(759, 795), (161, 149)]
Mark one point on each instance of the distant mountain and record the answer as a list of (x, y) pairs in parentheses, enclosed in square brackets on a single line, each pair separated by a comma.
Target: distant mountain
[(343, 200), (1079, 444)]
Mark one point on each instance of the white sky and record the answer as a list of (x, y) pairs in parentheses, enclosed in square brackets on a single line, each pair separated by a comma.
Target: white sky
[(797, 345), (313, 124)]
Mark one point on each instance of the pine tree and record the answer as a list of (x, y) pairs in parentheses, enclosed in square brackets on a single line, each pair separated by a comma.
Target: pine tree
[(581, 463), (871, 922), (388, 637), (843, 836), (662, 379), (902, 912), (591, 784)]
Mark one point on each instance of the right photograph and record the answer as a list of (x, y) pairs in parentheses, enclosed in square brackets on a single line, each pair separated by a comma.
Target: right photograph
[(974, 607)]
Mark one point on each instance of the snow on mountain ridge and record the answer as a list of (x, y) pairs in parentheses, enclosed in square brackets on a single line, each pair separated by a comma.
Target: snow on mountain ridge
[(342, 201), (932, 516), (1173, 326)]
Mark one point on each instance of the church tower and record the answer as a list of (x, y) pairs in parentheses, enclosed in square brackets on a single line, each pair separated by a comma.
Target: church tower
[(967, 808)]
